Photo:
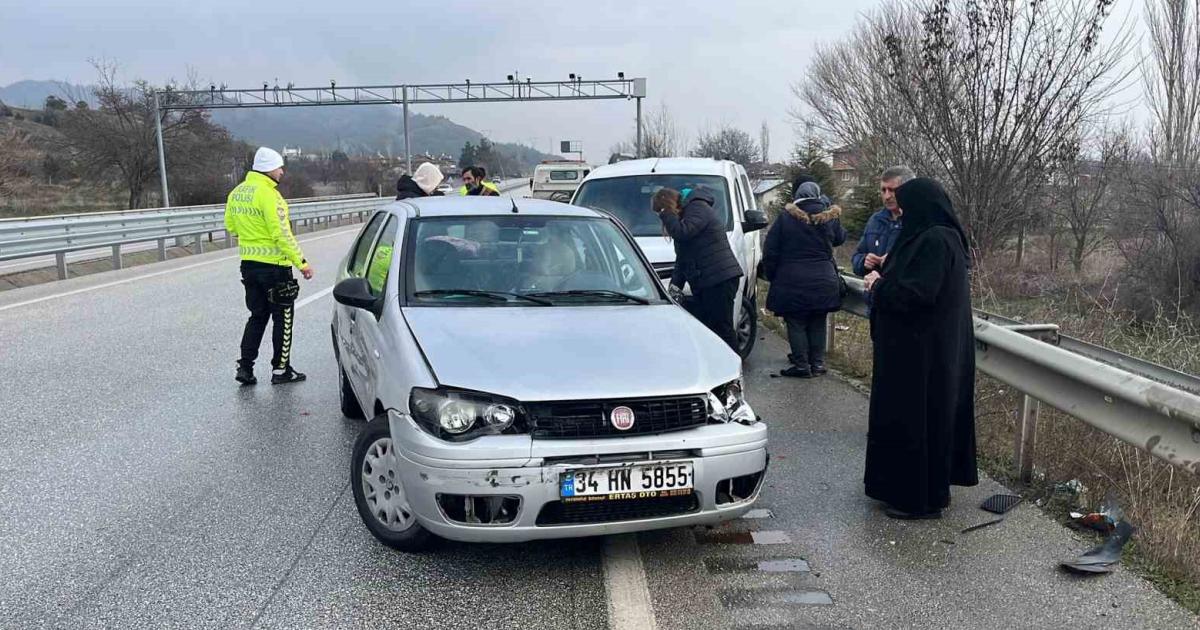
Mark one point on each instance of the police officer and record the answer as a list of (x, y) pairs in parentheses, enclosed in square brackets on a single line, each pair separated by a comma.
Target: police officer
[(257, 215)]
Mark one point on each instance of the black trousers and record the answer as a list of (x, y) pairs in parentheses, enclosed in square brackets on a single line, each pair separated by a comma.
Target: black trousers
[(806, 335), (259, 279), (714, 307)]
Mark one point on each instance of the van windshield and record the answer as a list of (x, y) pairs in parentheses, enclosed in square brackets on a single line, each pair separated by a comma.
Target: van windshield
[(628, 198)]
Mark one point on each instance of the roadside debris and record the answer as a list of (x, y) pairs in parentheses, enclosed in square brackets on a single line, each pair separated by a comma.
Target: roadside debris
[(1104, 519), (982, 525), (1001, 503), (1102, 558)]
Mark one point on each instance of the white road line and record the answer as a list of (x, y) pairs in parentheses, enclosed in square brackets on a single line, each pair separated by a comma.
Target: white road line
[(629, 605), (314, 297), (154, 275)]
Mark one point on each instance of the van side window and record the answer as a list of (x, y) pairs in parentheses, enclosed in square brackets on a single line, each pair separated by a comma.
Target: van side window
[(749, 192)]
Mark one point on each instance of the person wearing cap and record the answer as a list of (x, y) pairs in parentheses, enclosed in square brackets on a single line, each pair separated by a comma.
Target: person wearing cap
[(257, 215)]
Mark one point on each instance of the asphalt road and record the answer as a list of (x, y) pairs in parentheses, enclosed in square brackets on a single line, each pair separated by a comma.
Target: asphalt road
[(139, 487)]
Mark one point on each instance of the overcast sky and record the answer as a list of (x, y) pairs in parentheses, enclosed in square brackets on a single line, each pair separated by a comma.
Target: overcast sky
[(709, 61)]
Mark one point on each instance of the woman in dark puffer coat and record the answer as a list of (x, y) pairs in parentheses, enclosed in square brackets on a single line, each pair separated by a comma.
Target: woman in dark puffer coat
[(798, 262)]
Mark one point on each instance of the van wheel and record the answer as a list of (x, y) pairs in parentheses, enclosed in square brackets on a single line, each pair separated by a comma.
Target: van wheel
[(747, 327), (378, 491)]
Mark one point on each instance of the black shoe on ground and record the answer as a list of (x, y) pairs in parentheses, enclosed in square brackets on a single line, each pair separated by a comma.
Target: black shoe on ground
[(818, 369), (279, 377), (797, 372), (245, 376), (892, 512)]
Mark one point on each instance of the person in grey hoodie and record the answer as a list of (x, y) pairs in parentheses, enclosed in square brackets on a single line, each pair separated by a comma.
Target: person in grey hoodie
[(798, 262)]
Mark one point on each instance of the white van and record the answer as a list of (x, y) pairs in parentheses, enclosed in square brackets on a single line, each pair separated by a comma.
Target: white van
[(557, 180), (624, 190)]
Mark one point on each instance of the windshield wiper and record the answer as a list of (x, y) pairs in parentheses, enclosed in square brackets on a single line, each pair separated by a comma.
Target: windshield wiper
[(491, 295), (599, 293)]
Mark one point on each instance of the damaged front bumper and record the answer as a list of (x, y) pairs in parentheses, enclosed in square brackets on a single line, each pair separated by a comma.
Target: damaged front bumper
[(507, 488)]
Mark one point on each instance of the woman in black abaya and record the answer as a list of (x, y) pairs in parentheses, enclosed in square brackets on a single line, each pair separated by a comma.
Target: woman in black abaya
[(921, 437)]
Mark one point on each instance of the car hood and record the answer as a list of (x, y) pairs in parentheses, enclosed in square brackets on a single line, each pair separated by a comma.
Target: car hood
[(535, 354), (657, 249)]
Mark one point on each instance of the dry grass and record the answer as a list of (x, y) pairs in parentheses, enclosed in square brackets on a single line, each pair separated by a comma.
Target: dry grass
[(1163, 501)]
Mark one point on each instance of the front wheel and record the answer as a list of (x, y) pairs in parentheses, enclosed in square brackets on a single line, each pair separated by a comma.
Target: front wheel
[(378, 492), (747, 327)]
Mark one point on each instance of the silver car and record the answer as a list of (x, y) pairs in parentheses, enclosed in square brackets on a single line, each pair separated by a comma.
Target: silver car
[(527, 377)]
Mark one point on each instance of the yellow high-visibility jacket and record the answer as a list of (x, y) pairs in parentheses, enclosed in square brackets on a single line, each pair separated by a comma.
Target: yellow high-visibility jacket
[(257, 215), (462, 190)]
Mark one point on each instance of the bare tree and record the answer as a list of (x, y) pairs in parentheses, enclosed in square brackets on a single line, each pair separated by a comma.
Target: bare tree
[(1085, 191), (661, 136), (764, 142), (980, 95), (727, 143), (1162, 240), (118, 135)]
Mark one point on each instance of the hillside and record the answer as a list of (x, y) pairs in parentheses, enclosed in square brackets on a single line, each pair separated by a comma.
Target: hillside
[(370, 130)]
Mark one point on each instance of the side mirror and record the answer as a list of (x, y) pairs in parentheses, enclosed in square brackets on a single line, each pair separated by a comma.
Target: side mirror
[(755, 221), (355, 293)]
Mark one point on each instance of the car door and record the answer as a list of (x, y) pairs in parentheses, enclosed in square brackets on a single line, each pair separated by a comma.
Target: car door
[(753, 240), (368, 326), (351, 354)]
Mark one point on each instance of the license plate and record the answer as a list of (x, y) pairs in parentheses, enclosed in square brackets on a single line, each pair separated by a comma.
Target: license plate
[(645, 481)]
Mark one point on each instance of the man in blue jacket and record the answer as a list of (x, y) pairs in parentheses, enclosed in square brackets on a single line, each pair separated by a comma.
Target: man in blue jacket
[(884, 226)]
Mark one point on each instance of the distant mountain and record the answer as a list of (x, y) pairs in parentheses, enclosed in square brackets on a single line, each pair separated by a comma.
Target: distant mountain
[(32, 94), (367, 129)]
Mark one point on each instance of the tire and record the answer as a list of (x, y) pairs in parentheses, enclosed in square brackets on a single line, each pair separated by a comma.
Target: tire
[(746, 327), (379, 494)]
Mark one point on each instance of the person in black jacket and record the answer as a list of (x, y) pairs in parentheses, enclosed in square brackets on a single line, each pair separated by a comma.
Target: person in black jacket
[(703, 258), (921, 429), (798, 262), (423, 183)]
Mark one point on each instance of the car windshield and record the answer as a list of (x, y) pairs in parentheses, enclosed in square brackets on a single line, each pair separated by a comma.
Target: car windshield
[(628, 198), (524, 261)]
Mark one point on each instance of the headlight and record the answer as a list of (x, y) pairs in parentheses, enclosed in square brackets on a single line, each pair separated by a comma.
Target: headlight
[(727, 403), (458, 415)]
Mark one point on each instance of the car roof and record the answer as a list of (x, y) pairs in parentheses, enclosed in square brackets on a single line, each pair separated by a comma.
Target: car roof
[(461, 205), (666, 166)]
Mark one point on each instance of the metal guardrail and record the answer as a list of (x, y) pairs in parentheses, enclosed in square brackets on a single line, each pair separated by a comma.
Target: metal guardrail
[(34, 238), (58, 235), (1139, 402), (59, 218)]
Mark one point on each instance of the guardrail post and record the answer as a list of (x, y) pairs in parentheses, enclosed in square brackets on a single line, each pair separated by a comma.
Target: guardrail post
[(1027, 438), (228, 240), (162, 249), (116, 256), (830, 329), (60, 261), (200, 243)]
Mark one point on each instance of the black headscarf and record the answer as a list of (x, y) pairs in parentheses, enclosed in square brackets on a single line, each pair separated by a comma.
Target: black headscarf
[(926, 204)]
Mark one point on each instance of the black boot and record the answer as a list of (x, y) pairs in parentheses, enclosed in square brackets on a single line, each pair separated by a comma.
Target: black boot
[(245, 376), (288, 375), (818, 369)]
